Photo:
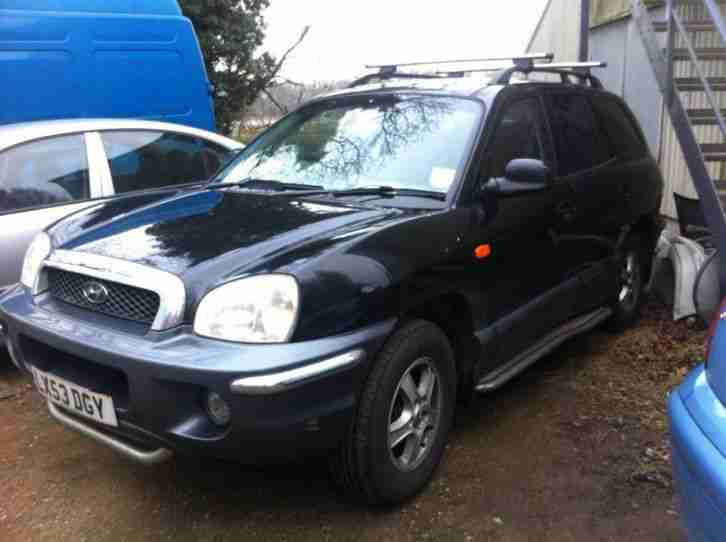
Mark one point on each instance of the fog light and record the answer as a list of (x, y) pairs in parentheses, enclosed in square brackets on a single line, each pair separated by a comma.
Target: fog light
[(217, 409)]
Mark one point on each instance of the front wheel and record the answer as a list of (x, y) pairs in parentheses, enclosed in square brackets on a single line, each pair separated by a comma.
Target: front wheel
[(403, 419)]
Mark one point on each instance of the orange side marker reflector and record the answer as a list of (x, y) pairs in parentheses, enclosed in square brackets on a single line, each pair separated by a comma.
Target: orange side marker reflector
[(483, 251)]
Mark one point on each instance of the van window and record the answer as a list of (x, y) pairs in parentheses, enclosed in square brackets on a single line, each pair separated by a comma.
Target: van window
[(142, 160), (620, 128), (44, 172), (516, 136), (573, 131)]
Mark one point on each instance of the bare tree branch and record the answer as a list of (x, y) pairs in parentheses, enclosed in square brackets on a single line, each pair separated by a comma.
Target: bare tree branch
[(277, 104), (291, 82), (287, 53)]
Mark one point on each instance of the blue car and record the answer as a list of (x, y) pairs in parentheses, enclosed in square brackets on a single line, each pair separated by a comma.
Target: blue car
[(697, 412)]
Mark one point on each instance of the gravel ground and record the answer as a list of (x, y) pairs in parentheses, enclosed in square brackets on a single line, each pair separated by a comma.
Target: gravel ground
[(574, 450)]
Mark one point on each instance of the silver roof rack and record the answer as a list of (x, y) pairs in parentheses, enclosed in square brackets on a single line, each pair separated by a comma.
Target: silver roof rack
[(527, 58), (573, 65), (525, 64), (566, 71), (391, 71)]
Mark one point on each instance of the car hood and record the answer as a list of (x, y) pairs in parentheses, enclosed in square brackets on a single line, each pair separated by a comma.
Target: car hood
[(192, 231)]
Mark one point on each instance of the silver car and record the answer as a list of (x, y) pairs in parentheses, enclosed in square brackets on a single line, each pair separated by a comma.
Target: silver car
[(52, 168)]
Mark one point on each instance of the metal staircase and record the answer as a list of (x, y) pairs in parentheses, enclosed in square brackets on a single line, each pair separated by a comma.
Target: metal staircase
[(686, 51)]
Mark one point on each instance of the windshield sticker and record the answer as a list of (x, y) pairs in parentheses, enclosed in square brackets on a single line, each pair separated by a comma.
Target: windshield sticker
[(442, 177)]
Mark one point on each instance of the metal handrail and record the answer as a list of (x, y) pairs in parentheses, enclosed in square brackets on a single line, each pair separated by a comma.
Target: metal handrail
[(670, 38), (716, 16), (721, 25)]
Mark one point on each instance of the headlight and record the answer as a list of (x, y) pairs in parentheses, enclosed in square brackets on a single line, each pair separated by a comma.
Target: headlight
[(38, 251), (258, 309)]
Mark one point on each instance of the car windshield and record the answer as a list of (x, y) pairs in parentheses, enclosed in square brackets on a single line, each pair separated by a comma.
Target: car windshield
[(404, 142)]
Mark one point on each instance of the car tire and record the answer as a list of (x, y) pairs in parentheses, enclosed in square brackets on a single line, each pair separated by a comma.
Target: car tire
[(631, 270), (372, 464)]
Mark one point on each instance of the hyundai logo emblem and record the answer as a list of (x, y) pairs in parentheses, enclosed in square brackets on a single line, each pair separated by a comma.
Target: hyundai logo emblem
[(95, 292)]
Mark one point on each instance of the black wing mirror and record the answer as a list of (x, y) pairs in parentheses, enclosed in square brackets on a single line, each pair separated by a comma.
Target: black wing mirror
[(521, 176)]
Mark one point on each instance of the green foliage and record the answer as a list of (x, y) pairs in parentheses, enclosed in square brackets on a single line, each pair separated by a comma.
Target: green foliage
[(230, 32)]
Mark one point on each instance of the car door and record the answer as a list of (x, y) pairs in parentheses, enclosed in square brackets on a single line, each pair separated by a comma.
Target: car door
[(521, 276), (41, 181), (588, 200), (156, 160)]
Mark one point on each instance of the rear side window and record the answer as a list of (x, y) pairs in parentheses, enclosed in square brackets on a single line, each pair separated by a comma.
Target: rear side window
[(143, 160), (619, 127), (574, 133), (44, 172)]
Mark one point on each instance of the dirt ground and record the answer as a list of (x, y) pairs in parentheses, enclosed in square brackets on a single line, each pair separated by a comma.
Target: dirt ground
[(574, 450)]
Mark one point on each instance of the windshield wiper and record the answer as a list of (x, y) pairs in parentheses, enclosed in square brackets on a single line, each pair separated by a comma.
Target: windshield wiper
[(268, 184), (298, 189), (388, 191)]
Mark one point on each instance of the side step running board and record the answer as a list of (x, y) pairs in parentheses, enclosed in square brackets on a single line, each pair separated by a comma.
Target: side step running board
[(502, 375)]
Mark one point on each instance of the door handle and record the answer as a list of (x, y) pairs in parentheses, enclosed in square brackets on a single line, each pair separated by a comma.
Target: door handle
[(566, 210)]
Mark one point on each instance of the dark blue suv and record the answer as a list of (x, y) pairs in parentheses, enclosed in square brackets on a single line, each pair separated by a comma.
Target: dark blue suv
[(366, 261)]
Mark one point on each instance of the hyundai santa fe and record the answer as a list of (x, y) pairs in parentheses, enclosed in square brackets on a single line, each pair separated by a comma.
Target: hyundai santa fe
[(372, 259)]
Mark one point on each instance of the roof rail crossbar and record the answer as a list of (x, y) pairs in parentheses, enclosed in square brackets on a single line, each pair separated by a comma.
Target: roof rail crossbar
[(566, 70), (524, 59), (391, 71)]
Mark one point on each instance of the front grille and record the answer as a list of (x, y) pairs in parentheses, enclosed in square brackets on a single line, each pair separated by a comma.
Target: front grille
[(122, 301)]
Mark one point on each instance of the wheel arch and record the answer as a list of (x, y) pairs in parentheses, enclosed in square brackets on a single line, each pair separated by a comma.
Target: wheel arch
[(649, 227), (452, 312)]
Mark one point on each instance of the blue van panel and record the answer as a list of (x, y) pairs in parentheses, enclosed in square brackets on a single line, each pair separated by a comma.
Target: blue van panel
[(61, 64), (43, 102), (153, 80), (138, 7)]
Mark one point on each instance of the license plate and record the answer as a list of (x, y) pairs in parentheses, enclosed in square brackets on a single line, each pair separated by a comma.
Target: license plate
[(77, 399)]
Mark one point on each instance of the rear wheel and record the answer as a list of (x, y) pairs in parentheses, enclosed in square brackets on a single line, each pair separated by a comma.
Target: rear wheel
[(631, 283), (403, 419)]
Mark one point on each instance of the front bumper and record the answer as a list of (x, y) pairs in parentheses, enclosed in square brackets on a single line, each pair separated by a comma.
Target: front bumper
[(158, 380), (698, 432)]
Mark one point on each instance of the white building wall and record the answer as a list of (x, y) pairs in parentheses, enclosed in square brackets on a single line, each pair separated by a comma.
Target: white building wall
[(558, 31)]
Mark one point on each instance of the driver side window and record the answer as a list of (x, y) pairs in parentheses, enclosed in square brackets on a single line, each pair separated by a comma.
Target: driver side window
[(516, 136)]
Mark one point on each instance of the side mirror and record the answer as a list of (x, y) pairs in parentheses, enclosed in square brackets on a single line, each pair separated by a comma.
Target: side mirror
[(521, 176)]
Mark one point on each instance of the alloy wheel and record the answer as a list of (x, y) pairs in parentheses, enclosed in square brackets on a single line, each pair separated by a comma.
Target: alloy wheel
[(413, 420)]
